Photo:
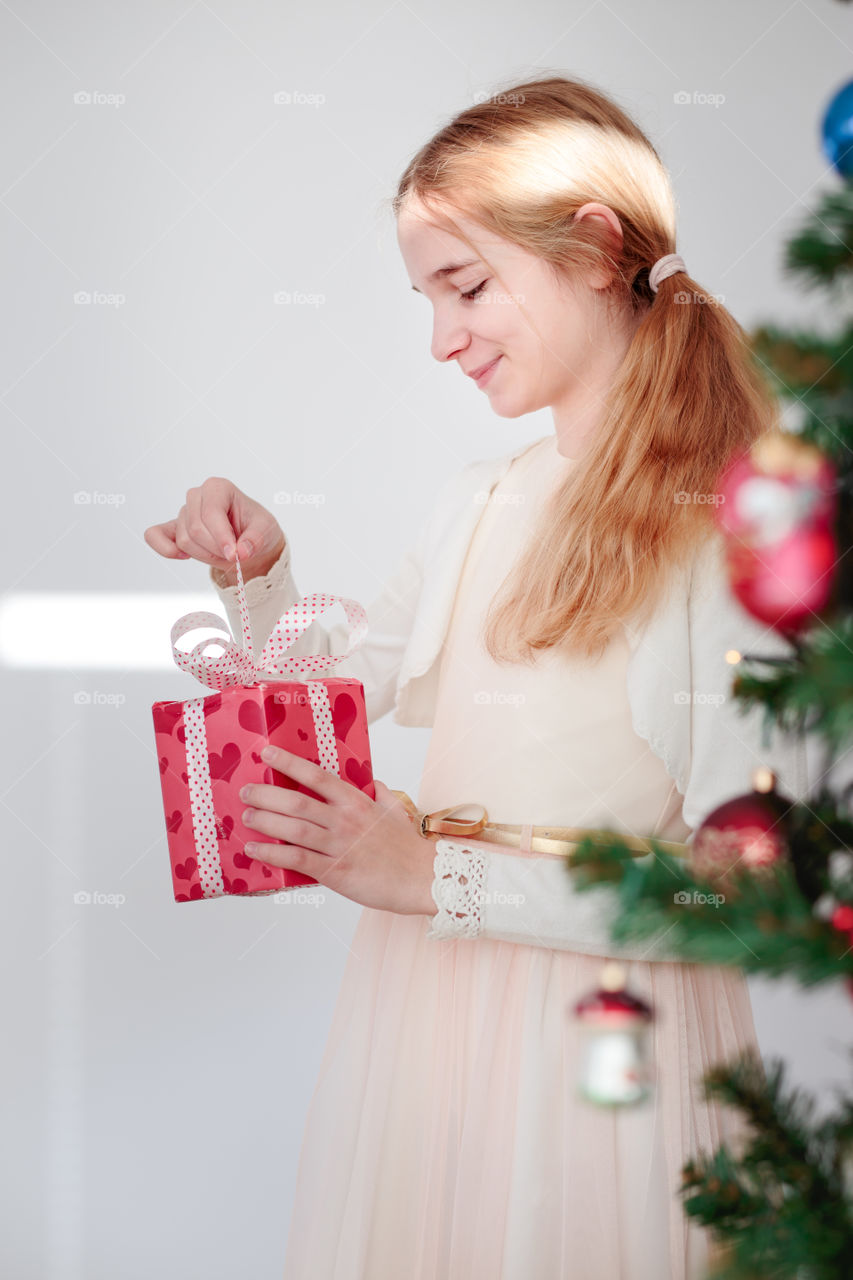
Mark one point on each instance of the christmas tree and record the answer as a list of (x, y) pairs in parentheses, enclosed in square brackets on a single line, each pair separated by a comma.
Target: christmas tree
[(778, 874)]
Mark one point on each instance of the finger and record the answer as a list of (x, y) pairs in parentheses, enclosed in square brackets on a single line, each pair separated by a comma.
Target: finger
[(294, 804), (327, 785), (292, 857), (185, 540), (258, 539), (197, 526), (251, 543), (214, 516), (161, 538), (388, 802), (257, 530), (295, 830), (386, 798)]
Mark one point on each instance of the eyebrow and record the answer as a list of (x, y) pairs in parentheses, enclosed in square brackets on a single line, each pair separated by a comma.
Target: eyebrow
[(449, 270)]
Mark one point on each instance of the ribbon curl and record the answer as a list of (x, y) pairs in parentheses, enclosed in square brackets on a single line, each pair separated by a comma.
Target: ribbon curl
[(236, 665)]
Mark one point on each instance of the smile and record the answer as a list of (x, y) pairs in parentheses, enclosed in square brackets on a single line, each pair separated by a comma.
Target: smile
[(486, 373)]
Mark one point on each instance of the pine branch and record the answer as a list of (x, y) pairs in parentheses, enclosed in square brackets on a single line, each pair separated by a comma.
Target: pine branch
[(810, 691), (816, 373), (782, 1205), (821, 252), (761, 924)]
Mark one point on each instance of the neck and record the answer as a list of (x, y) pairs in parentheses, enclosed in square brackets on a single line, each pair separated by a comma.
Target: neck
[(578, 414)]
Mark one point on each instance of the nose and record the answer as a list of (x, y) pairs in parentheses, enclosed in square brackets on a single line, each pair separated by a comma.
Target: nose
[(449, 336)]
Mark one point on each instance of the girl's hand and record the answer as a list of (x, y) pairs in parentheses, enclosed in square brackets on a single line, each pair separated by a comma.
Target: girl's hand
[(367, 850), (216, 517)]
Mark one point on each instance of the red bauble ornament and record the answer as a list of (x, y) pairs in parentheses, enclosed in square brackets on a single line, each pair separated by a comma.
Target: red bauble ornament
[(842, 919), (778, 519), (744, 836)]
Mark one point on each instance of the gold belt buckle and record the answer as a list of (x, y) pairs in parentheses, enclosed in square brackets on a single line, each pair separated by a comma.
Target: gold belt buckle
[(555, 840)]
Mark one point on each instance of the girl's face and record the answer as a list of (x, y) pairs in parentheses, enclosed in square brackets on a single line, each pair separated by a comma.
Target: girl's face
[(483, 316)]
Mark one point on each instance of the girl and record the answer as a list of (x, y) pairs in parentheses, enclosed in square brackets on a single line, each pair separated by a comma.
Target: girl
[(562, 623)]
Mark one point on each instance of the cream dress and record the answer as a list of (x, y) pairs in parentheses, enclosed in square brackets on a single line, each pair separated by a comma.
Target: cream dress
[(445, 1139)]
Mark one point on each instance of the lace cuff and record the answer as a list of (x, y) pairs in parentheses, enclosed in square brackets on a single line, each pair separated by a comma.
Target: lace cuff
[(457, 890), (260, 588)]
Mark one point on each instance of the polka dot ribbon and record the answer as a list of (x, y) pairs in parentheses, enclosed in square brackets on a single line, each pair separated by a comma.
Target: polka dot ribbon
[(237, 665), (201, 801)]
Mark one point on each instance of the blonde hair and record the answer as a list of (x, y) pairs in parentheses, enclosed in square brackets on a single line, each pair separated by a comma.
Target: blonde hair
[(687, 396)]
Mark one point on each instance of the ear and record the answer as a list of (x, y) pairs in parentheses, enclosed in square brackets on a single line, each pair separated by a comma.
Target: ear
[(607, 221)]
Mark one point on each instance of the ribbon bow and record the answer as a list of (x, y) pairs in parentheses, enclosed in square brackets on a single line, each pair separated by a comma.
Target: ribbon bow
[(237, 665)]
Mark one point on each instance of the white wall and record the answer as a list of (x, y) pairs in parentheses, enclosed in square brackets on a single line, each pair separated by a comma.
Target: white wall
[(158, 1058)]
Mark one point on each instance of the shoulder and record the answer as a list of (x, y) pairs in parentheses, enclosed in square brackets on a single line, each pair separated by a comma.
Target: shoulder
[(698, 593), (695, 614), (708, 577), (471, 481)]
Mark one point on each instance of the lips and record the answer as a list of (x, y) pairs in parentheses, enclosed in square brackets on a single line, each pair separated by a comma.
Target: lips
[(475, 373)]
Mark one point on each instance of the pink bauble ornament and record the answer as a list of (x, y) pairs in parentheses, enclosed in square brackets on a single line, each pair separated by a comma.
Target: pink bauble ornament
[(777, 515)]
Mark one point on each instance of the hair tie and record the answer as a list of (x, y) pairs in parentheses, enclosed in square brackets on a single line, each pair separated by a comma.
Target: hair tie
[(664, 267)]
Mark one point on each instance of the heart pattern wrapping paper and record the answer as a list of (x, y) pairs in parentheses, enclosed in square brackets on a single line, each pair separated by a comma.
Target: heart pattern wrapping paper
[(209, 747)]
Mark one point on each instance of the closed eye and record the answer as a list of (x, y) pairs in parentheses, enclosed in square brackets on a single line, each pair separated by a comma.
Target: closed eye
[(472, 293)]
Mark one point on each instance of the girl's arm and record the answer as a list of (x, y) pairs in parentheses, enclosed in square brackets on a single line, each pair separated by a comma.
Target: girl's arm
[(532, 900), (377, 660)]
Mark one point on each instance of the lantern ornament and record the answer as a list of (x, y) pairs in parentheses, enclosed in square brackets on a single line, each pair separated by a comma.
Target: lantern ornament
[(615, 1068)]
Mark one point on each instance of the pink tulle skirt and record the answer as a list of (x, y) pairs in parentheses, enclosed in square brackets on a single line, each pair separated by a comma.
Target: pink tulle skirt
[(445, 1139)]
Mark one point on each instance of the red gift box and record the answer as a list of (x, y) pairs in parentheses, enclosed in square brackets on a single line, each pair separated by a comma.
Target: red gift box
[(209, 747)]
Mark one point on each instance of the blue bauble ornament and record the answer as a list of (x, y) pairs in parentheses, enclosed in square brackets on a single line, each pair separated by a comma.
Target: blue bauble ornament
[(837, 131)]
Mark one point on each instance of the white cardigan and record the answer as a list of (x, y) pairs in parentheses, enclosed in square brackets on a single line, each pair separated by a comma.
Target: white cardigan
[(678, 686)]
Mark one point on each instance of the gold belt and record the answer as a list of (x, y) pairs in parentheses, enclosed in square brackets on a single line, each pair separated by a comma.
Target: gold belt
[(561, 840)]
